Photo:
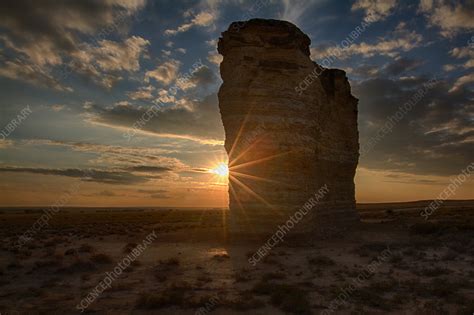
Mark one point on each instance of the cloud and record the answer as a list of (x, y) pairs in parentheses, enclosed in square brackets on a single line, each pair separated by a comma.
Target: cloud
[(44, 35), (5, 143), (165, 73), (151, 191), (194, 120), (105, 193), (465, 79), (154, 193), (143, 93), (168, 72), (466, 53), (400, 40), (462, 53), (43, 31), (293, 11), (20, 70), (201, 77), (99, 176), (215, 58), (402, 65), (115, 56), (128, 158), (57, 107), (212, 43), (364, 70), (449, 67), (398, 67), (149, 169), (105, 63), (202, 19), (452, 17), (375, 10), (160, 196), (434, 138), (166, 97)]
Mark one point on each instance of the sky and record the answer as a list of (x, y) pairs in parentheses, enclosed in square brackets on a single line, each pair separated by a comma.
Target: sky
[(77, 76)]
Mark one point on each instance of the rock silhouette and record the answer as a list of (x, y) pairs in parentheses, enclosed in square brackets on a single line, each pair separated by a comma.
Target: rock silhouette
[(290, 129)]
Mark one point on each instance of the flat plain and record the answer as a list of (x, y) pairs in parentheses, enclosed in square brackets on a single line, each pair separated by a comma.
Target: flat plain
[(393, 262)]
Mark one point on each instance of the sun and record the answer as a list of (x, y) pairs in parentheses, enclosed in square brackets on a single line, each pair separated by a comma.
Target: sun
[(221, 170)]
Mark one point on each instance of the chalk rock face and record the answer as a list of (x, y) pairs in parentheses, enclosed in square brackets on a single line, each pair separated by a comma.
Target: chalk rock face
[(290, 129)]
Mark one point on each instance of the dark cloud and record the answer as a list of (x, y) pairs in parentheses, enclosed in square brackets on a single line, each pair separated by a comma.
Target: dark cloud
[(20, 70), (106, 193), (127, 158), (99, 176), (402, 65), (159, 196), (155, 193), (198, 119), (404, 179), (435, 138), (152, 191), (365, 71), (204, 76), (55, 25), (41, 37), (149, 169)]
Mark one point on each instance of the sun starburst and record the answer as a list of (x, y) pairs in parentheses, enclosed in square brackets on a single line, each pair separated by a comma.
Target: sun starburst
[(221, 170)]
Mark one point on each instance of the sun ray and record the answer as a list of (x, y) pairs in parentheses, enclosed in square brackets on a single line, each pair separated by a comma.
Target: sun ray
[(251, 192), (233, 161), (258, 161), (239, 134), (258, 178), (242, 208)]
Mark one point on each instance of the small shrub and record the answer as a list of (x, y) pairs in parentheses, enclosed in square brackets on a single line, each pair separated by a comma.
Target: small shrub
[(321, 261), (221, 257), (170, 262), (85, 248), (101, 259), (286, 297), (273, 276), (129, 247), (170, 297)]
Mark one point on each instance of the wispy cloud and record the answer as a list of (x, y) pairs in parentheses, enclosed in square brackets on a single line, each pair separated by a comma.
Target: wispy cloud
[(197, 120), (99, 176), (293, 11), (375, 10), (398, 41), (202, 19), (46, 37), (452, 17)]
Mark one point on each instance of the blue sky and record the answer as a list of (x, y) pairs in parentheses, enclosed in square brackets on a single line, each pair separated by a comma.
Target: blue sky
[(89, 71)]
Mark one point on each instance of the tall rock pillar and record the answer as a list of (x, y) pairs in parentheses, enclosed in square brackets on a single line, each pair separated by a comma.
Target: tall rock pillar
[(290, 129)]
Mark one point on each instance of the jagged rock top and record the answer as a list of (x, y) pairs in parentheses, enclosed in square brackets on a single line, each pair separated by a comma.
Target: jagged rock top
[(264, 32)]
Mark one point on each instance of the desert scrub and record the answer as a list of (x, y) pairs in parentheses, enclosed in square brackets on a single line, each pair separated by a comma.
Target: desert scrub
[(288, 298), (321, 260), (169, 297), (101, 259), (273, 276), (129, 247), (85, 248), (220, 257)]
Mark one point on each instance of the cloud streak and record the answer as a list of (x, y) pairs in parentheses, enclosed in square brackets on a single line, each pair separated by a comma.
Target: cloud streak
[(98, 176)]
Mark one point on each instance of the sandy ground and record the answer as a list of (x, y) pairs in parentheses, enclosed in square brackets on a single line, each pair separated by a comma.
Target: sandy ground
[(393, 263)]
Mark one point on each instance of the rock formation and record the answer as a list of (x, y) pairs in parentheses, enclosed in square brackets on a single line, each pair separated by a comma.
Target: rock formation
[(290, 128)]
